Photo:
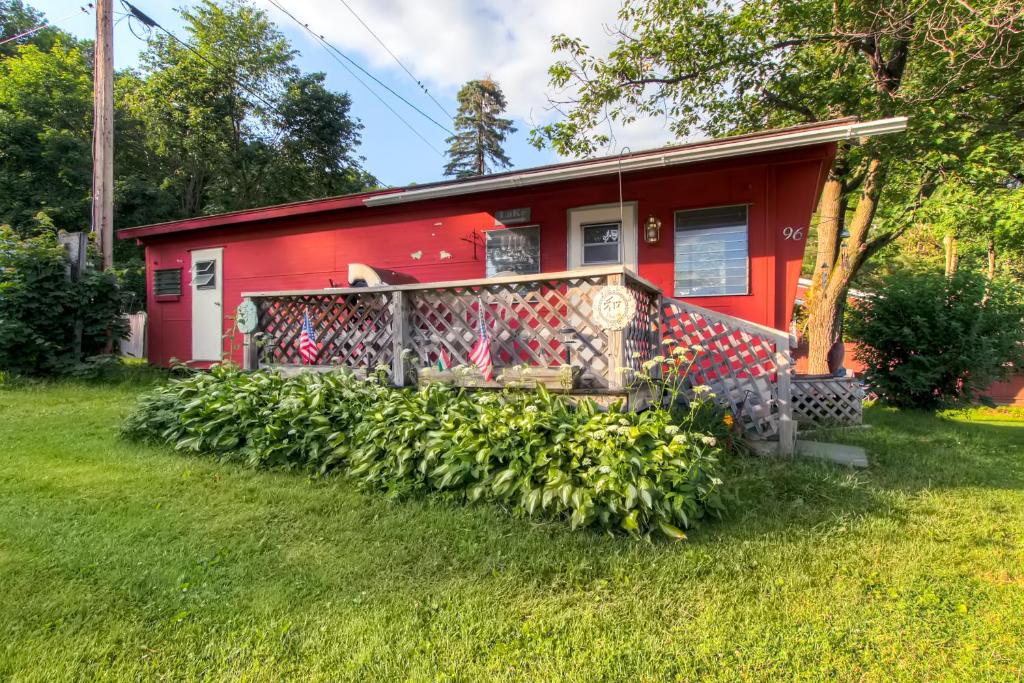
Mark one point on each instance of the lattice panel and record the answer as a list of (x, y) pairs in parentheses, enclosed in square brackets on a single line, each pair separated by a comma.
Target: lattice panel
[(642, 337), (543, 323), (828, 400), (353, 330), (737, 363)]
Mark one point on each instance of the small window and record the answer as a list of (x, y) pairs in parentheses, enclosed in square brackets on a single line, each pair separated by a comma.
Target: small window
[(167, 282), (206, 275), (711, 252), (601, 243), (513, 250)]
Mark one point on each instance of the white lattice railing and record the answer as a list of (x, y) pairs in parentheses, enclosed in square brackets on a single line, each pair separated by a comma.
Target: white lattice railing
[(746, 365), (825, 400), (542, 321)]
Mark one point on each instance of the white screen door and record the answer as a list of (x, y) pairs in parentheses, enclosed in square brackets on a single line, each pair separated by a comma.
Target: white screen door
[(207, 299)]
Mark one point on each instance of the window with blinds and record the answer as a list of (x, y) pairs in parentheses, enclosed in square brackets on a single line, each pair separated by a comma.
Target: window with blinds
[(711, 252), (167, 282)]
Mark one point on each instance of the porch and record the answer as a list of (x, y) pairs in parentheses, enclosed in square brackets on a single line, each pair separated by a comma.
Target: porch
[(555, 325)]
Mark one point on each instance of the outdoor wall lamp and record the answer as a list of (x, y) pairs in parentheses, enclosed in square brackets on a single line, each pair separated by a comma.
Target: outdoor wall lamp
[(652, 230)]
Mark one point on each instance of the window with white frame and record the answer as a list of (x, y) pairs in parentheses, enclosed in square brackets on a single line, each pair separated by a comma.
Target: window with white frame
[(711, 257), (602, 243)]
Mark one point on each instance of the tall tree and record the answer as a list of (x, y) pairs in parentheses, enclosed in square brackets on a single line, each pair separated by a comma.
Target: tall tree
[(233, 124), (725, 67), (45, 148), (476, 148)]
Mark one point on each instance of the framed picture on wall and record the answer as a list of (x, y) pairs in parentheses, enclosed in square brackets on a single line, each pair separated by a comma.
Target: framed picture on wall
[(513, 250)]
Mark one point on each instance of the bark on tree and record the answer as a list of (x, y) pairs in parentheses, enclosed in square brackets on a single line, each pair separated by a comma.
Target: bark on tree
[(839, 262)]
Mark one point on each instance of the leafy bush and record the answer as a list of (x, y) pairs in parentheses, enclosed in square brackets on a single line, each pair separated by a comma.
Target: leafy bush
[(930, 340), (530, 450), (39, 308)]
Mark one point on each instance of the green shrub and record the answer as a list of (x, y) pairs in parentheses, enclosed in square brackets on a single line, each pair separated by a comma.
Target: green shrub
[(39, 307), (929, 340), (530, 450)]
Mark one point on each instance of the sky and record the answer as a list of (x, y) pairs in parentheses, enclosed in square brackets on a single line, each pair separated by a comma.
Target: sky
[(442, 42)]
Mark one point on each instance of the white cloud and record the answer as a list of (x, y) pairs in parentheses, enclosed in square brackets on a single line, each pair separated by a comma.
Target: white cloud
[(447, 42)]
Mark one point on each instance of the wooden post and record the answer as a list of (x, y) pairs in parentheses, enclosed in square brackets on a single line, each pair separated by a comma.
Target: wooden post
[(76, 243), (784, 389), (398, 368), (250, 350), (616, 347), (103, 133)]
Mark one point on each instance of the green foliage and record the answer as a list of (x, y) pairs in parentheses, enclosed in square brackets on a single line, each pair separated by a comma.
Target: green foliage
[(930, 340), (15, 18), (191, 138), (532, 451), (40, 309), (221, 147), (45, 137), (476, 148)]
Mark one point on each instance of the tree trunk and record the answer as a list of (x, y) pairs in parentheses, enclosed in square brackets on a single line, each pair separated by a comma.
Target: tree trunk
[(991, 258), (824, 322), (949, 243)]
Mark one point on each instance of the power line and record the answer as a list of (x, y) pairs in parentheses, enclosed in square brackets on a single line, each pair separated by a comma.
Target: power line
[(152, 23), (46, 24), (363, 83), (356, 64), (395, 57)]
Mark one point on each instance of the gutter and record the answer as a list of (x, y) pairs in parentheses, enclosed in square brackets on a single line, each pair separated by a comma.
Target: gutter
[(712, 149)]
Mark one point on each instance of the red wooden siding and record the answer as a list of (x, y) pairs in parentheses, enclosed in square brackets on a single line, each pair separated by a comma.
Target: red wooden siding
[(309, 251)]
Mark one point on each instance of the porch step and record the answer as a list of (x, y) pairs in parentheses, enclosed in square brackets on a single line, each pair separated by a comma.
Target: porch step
[(840, 454)]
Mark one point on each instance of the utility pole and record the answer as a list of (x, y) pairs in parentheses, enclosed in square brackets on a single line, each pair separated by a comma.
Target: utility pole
[(103, 133)]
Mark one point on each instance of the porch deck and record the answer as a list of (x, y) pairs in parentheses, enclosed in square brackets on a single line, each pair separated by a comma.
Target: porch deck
[(546, 322)]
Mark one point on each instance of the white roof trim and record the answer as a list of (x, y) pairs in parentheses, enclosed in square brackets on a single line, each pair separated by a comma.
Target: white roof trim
[(650, 159)]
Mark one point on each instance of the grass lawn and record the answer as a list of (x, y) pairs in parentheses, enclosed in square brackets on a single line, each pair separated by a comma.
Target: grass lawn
[(127, 563)]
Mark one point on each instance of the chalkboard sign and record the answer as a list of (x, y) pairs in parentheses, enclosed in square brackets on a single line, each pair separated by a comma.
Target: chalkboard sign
[(513, 250)]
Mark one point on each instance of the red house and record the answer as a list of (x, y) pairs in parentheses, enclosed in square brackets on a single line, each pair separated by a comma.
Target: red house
[(720, 223)]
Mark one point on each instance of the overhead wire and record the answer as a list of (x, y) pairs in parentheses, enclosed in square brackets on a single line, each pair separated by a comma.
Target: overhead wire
[(46, 24), (152, 23), (331, 50), (330, 46), (395, 57)]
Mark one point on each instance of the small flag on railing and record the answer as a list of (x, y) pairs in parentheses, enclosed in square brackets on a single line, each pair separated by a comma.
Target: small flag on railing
[(480, 355), (444, 361), (308, 348)]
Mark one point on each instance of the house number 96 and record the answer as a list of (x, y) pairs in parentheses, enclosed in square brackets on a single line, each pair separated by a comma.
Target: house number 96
[(793, 233)]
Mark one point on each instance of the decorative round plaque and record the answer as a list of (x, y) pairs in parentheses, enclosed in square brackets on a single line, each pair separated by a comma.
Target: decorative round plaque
[(614, 307), (246, 317)]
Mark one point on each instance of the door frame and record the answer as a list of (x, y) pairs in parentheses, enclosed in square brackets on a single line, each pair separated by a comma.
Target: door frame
[(624, 213), (206, 254)]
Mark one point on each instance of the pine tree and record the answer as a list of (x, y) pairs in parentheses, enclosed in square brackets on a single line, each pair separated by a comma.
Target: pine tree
[(476, 147)]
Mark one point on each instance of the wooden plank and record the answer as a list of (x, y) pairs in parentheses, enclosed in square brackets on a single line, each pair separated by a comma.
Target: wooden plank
[(784, 391), (616, 347), (592, 271), (556, 379), (398, 338)]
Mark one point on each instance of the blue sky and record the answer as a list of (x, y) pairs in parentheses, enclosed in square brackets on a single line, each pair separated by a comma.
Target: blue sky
[(443, 42)]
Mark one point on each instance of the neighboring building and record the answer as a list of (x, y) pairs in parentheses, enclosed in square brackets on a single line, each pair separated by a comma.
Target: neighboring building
[(733, 216)]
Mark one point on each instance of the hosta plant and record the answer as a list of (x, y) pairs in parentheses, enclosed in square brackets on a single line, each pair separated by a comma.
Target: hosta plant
[(531, 451)]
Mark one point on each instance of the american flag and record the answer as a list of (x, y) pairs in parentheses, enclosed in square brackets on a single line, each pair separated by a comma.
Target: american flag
[(308, 348), (480, 355)]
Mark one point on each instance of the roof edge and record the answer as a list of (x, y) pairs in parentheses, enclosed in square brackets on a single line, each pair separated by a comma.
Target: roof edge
[(802, 135), (684, 154)]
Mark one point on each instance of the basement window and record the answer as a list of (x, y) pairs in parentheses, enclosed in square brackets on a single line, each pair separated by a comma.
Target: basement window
[(167, 282), (711, 256)]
